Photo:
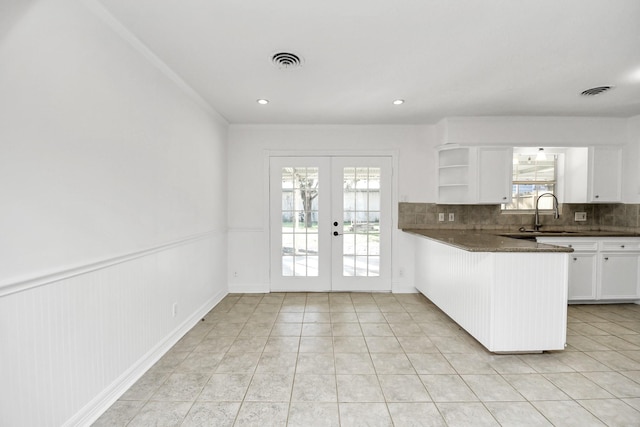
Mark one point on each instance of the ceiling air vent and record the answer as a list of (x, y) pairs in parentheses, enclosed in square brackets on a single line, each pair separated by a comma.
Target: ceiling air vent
[(596, 90), (286, 60)]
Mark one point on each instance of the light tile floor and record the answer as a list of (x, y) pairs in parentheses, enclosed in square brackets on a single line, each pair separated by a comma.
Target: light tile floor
[(360, 359)]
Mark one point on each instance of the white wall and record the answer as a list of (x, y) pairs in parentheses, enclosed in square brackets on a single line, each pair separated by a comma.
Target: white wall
[(533, 131), (415, 145), (113, 189), (248, 211)]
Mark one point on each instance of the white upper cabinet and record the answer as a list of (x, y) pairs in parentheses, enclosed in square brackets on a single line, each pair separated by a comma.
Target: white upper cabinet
[(495, 172), (474, 175), (593, 175), (605, 175)]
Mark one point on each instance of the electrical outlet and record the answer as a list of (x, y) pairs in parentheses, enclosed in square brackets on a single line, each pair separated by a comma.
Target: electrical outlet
[(441, 216), (452, 216), (401, 272), (580, 216)]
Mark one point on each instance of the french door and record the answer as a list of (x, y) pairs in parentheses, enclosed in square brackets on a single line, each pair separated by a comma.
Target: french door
[(330, 223)]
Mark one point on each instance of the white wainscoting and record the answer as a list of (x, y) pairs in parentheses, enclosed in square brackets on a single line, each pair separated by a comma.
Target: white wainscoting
[(509, 302), (248, 260), (248, 268), (70, 346)]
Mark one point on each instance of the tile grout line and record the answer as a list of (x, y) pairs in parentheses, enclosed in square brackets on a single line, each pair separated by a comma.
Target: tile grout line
[(612, 360)]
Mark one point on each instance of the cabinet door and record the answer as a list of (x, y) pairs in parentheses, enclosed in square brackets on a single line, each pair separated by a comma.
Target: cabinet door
[(618, 276), (582, 276), (605, 174), (495, 174)]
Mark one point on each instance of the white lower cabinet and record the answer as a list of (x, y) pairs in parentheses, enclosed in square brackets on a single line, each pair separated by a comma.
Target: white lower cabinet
[(601, 269), (582, 276), (618, 276)]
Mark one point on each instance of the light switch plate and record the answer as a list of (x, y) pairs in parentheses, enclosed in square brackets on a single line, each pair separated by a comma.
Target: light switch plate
[(441, 216), (452, 216), (580, 216)]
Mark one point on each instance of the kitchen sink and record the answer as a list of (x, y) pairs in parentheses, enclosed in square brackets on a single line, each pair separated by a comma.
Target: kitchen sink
[(547, 232), (530, 234)]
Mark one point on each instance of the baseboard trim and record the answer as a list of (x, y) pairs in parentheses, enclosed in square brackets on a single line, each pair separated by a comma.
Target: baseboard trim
[(256, 288), (264, 289), (406, 289), (103, 401)]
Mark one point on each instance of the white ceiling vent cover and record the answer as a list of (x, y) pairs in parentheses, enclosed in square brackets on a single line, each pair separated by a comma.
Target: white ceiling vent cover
[(596, 90), (286, 60)]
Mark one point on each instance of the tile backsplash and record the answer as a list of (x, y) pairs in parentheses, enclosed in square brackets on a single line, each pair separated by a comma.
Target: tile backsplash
[(619, 217)]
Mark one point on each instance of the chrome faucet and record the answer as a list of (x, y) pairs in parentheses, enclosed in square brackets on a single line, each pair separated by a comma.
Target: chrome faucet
[(556, 213)]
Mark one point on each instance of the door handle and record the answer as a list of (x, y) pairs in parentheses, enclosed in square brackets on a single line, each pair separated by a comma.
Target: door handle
[(335, 223), (335, 233)]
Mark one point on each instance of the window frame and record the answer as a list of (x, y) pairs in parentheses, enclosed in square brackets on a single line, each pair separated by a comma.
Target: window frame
[(533, 152)]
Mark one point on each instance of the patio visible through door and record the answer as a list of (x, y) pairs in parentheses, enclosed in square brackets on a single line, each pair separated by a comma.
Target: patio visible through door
[(330, 223)]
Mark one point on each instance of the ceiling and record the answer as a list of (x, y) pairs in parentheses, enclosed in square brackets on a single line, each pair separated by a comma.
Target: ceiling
[(445, 58)]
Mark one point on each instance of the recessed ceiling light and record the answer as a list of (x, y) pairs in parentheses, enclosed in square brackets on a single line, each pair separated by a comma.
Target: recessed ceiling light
[(398, 102), (262, 101)]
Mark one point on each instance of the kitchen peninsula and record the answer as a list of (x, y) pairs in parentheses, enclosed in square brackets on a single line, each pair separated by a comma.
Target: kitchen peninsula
[(509, 294)]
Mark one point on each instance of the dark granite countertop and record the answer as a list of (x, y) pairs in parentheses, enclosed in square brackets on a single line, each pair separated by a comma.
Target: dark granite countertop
[(509, 240), (563, 233), (485, 241)]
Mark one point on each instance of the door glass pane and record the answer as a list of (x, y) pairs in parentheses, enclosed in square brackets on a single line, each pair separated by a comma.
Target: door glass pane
[(361, 215), (361, 244), (374, 244), (373, 264), (299, 221), (349, 197), (348, 267)]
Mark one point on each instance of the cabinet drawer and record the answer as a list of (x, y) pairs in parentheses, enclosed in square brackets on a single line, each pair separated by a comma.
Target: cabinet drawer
[(620, 246), (578, 246), (582, 246)]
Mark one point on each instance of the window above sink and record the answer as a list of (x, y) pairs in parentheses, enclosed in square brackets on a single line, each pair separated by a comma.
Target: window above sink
[(534, 173), (572, 174)]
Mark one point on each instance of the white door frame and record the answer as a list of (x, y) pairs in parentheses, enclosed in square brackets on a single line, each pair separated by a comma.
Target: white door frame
[(393, 154)]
